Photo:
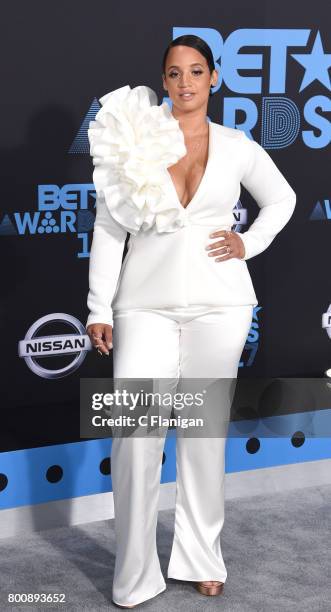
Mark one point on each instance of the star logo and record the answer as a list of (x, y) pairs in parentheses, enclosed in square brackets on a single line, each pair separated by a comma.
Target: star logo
[(316, 64)]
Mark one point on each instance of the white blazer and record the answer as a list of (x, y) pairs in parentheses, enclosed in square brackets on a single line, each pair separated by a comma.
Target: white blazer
[(133, 142)]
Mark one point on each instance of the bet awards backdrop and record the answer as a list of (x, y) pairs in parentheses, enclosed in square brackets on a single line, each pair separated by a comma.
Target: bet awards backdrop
[(58, 59)]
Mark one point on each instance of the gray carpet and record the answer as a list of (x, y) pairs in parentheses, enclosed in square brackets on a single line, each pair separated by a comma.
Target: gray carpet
[(276, 550)]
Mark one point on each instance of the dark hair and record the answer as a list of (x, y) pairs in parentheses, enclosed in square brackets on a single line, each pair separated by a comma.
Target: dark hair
[(190, 40)]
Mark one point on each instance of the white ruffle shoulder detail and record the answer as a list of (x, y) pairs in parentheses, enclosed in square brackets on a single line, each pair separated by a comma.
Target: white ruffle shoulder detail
[(132, 142)]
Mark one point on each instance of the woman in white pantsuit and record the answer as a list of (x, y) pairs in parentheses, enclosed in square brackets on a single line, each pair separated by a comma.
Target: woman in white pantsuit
[(174, 307)]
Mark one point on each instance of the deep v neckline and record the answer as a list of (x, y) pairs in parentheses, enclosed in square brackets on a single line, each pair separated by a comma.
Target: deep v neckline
[(203, 178)]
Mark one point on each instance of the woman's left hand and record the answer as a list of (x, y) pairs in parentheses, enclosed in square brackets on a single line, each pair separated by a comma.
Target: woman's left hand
[(230, 246)]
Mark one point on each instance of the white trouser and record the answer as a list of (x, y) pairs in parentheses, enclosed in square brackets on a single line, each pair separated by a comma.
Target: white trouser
[(197, 342)]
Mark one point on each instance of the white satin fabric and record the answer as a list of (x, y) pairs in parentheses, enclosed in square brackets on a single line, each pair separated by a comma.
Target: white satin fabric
[(194, 342), (133, 142)]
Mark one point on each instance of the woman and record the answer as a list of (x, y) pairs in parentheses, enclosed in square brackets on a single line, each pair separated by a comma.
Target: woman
[(181, 303)]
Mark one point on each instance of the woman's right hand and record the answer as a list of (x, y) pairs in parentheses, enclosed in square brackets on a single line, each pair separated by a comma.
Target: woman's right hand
[(101, 336)]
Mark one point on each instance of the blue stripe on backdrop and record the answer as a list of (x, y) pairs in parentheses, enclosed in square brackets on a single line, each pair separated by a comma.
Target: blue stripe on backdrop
[(74, 469)]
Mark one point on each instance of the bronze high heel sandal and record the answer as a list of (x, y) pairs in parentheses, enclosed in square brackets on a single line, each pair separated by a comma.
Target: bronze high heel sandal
[(215, 588)]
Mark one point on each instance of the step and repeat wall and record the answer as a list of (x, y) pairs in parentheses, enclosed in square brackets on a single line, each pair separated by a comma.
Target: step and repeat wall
[(58, 59)]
